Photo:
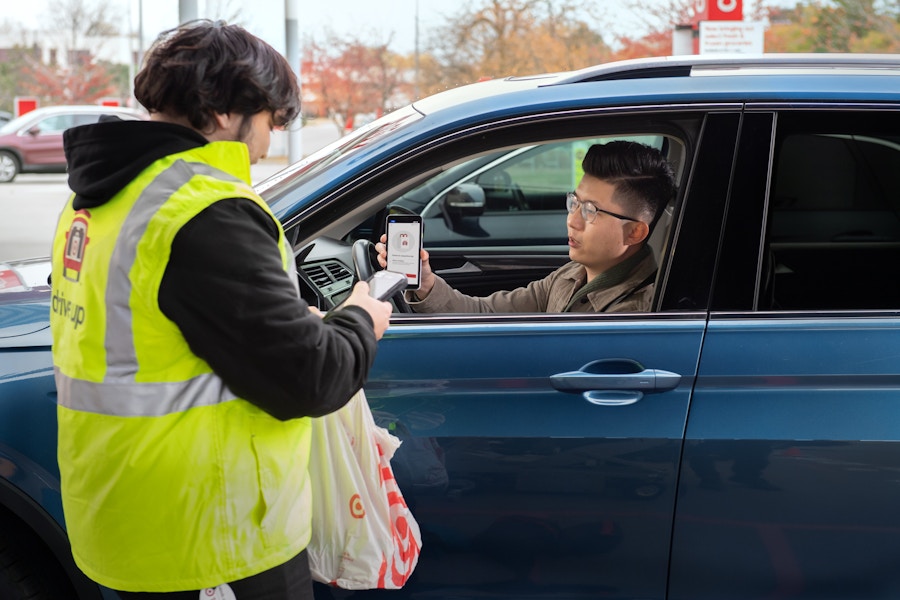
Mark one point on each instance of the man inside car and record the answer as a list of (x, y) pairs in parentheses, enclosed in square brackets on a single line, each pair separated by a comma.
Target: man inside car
[(625, 187)]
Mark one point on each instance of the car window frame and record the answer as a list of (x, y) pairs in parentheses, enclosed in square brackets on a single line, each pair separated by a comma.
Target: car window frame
[(740, 288), (337, 211)]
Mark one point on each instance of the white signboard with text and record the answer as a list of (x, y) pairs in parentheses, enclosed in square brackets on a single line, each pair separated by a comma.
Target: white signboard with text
[(731, 37)]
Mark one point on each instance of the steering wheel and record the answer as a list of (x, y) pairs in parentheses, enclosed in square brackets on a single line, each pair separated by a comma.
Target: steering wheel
[(363, 254)]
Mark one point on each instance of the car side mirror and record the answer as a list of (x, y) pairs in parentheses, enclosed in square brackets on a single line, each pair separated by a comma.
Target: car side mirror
[(34, 130)]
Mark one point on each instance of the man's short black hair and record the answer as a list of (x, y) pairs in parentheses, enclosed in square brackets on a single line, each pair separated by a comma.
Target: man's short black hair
[(203, 67), (642, 177)]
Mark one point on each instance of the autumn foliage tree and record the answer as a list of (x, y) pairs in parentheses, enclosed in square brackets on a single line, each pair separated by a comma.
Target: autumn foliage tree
[(810, 26), (73, 75), (499, 38), (657, 22), (837, 26), (345, 76), (82, 81), (488, 39)]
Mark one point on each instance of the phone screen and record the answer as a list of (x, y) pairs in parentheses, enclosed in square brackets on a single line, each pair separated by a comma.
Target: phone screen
[(404, 247)]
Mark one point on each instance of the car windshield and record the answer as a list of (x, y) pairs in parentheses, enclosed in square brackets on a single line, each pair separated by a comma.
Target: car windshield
[(340, 150)]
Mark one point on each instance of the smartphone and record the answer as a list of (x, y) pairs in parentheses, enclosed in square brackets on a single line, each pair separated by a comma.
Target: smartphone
[(384, 284), (404, 247)]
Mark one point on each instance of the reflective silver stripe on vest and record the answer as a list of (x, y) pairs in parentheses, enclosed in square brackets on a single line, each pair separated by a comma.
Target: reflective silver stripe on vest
[(120, 353), (119, 394), (130, 399)]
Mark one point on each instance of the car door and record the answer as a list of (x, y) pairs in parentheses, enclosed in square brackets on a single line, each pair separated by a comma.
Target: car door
[(789, 484), (42, 142), (521, 489)]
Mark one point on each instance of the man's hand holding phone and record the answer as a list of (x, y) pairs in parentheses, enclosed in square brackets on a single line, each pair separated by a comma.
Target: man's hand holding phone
[(403, 246), (426, 280)]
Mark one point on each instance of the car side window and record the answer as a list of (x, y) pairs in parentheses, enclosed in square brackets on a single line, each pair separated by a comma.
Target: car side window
[(55, 124), (537, 178), (834, 220), (497, 221), (85, 119)]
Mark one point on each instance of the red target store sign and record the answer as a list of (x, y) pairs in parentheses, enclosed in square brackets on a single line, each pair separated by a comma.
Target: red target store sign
[(718, 10)]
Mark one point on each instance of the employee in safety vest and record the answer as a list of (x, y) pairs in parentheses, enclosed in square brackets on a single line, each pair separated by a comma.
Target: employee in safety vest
[(186, 363)]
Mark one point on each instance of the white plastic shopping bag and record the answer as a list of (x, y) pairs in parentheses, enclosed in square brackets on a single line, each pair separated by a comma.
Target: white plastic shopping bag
[(363, 534)]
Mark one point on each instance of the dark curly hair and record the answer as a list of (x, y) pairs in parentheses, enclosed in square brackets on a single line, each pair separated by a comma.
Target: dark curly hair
[(202, 67), (642, 177)]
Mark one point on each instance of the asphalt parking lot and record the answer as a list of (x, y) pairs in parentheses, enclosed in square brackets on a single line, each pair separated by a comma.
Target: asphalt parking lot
[(31, 203)]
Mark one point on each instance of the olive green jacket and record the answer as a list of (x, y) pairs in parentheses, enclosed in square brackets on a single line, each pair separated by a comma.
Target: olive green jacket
[(627, 287)]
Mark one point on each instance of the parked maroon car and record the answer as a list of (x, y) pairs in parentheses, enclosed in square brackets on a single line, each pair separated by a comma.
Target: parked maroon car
[(33, 142)]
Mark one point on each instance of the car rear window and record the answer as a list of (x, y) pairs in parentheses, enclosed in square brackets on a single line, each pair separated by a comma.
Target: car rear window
[(834, 229)]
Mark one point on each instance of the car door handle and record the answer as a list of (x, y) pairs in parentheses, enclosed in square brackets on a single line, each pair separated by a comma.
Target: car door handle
[(614, 382)]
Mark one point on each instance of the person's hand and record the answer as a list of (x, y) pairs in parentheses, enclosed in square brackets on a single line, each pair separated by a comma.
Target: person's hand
[(381, 250), (378, 310), (427, 279)]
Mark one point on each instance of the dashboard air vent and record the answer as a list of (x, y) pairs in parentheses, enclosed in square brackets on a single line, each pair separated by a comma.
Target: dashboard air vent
[(318, 275), (337, 271)]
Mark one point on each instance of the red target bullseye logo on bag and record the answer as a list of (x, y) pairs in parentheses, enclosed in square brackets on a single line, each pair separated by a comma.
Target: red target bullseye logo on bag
[(357, 510), (372, 540), (406, 546)]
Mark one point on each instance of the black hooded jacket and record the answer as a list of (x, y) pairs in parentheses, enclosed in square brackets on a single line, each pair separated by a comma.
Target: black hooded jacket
[(224, 285)]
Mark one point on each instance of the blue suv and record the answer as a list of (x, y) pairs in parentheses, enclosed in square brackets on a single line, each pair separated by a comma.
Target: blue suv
[(740, 440)]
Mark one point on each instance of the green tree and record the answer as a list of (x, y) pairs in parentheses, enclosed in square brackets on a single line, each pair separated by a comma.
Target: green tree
[(11, 65), (836, 26)]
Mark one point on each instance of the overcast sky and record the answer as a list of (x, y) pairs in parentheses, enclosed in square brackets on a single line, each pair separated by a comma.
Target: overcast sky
[(371, 19)]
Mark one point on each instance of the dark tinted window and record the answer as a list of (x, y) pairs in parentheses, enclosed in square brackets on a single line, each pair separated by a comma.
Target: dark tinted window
[(834, 227)]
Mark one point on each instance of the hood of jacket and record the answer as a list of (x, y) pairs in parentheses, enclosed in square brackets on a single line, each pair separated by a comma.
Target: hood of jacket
[(105, 156)]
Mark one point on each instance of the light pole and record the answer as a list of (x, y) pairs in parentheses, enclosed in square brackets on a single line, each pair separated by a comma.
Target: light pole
[(137, 38), (140, 38), (416, 56), (293, 55)]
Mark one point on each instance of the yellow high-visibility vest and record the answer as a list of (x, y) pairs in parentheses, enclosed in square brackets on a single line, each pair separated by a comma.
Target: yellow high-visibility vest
[(169, 481)]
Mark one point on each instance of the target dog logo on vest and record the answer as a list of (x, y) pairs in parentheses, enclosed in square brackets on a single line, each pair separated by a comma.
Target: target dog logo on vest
[(76, 241)]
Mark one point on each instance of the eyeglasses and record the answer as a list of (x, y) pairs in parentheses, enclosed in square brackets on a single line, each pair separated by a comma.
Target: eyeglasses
[(589, 210)]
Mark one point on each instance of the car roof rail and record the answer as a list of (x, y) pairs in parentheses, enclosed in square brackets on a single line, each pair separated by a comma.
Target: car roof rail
[(693, 64)]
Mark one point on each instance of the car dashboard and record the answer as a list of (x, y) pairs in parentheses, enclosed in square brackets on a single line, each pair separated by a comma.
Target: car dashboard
[(325, 284), (325, 272)]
